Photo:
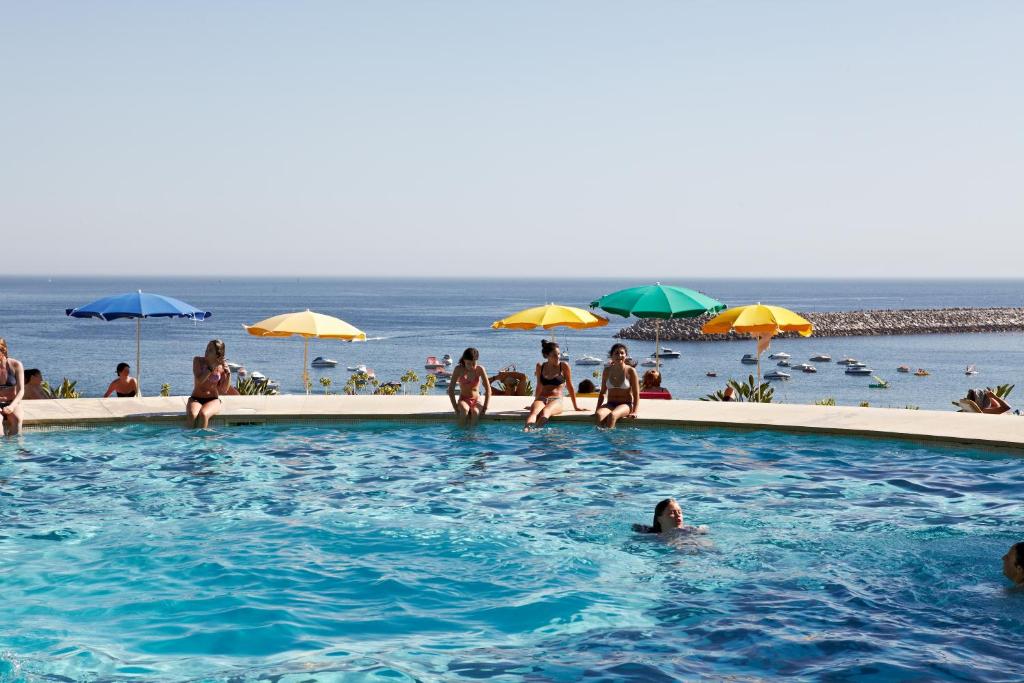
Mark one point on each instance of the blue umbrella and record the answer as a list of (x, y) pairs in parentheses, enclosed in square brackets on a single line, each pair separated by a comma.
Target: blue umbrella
[(137, 305)]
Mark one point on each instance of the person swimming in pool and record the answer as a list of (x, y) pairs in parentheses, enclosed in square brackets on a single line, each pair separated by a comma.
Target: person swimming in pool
[(212, 378), (668, 517), (125, 386), (1013, 563), (468, 374), (621, 385), (552, 375), (12, 391)]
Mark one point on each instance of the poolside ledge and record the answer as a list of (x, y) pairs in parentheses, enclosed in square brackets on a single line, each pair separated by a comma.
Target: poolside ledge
[(1004, 431)]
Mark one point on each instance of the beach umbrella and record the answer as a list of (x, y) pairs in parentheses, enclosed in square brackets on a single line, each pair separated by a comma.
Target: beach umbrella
[(550, 316), (760, 321), (308, 325), (137, 305), (658, 301)]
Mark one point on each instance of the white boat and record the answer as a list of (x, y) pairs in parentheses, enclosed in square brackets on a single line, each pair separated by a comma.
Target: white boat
[(776, 374), (847, 361), (363, 369), (859, 370), (783, 363), (781, 355), (321, 362), (821, 358), (433, 363), (235, 367), (970, 370), (649, 362), (588, 360), (806, 367), (666, 352), (447, 359), (257, 376), (749, 359), (442, 381), (903, 368), (562, 355)]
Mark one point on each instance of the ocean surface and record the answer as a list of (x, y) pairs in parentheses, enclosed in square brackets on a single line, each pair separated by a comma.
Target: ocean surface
[(407, 320), (397, 552)]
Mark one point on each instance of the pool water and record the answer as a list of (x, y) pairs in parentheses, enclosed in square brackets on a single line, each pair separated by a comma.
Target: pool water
[(385, 551)]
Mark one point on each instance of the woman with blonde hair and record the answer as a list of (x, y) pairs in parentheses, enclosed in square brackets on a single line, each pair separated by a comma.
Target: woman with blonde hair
[(212, 378), (12, 391)]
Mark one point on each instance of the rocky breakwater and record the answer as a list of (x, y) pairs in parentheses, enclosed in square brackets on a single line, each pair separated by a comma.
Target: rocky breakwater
[(855, 324)]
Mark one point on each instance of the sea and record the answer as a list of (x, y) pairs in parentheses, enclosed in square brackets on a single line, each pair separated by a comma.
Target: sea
[(406, 320)]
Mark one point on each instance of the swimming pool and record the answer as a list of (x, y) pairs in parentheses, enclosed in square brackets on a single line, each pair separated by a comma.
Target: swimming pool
[(386, 551)]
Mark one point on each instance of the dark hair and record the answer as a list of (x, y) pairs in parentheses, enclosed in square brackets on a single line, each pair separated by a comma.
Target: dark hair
[(469, 354), (586, 387), (122, 366), (1017, 554), (658, 509), (616, 347), (32, 372), (649, 378), (546, 347), (972, 395)]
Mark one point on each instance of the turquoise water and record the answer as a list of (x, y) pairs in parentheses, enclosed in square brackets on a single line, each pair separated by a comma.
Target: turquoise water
[(401, 552)]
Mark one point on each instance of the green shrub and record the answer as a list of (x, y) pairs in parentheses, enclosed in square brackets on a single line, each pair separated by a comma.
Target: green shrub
[(826, 402), (864, 404), (66, 389), (165, 389), (359, 381), (748, 391), (325, 382), (253, 387)]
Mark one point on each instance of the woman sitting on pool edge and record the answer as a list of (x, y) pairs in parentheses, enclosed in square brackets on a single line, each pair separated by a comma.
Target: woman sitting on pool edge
[(552, 375), (622, 386), (212, 378), (12, 390), (125, 386), (468, 374), (668, 516)]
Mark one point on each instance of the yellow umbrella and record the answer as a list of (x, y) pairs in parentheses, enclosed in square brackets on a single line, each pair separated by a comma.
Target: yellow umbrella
[(760, 321), (551, 315), (305, 324)]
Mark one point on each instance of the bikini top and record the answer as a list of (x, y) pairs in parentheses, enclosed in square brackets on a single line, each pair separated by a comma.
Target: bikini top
[(122, 395), (622, 385), (556, 381), (468, 380), (12, 378)]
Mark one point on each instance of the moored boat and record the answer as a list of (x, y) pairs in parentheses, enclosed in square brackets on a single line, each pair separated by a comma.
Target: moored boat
[(749, 359), (903, 368), (859, 370), (433, 363), (776, 374), (321, 362), (970, 370), (781, 355), (821, 358), (921, 372), (666, 352), (588, 360)]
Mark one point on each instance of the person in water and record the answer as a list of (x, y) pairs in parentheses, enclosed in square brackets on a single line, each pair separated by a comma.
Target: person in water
[(12, 390), (125, 385), (34, 385), (468, 374), (552, 375), (668, 516), (1013, 563), (212, 378), (621, 386)]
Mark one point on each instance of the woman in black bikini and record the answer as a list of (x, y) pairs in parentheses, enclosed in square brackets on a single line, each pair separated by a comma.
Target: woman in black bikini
[(125, 386), (212, 378), (12, 390), (622, 386), (552, 375)]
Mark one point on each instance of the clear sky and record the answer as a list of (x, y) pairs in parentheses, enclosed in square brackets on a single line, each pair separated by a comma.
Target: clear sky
[(672, 139)]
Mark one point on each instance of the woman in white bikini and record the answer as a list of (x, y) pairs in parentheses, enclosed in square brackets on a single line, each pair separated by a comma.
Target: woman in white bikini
[(622, 387), (468, 374), (12, 390), (552, 375), (212, 378)]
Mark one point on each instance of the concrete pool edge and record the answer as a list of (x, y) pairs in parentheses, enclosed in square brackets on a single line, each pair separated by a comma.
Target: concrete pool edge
[(1001, 431)]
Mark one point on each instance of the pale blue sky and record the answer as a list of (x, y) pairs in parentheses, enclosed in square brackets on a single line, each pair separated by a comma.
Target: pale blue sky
[(672, 139)]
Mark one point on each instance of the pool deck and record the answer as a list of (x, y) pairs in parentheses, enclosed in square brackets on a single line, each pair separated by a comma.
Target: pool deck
[(1001, 431)]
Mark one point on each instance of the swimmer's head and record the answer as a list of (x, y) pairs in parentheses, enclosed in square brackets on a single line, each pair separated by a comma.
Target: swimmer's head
[(667, 515), (1013, 563), (469, 358)]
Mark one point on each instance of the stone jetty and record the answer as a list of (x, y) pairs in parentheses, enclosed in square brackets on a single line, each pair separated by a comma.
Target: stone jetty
[(855, 324)]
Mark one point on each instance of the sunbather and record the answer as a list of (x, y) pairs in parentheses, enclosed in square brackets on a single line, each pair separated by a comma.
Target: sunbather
[(621, 385), (468, 374), (12, 390), (988, 402), (212, 378)]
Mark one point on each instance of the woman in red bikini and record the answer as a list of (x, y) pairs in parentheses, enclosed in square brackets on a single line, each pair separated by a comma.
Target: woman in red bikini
[(12, 390), (212, 378), (552, 375), (468, 374)]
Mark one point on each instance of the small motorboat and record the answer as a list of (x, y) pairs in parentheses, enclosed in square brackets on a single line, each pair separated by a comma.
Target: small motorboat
[(358, 368), (776, 374), (321, 362), (857, 364), (649, 362), (806, 367), (447, 359), (433, 363), (921, 372), (749, 359), (257, 376), (879, 383), (859, 370), (235, 367), (903, 368), (588, 360), (666, 352), (442, 381), (781, 355), (783, 363), (969, 371), (847, 361), (711, 373), (821, 358)]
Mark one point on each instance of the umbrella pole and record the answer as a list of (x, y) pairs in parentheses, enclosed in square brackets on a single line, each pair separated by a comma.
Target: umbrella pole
[(305, 364), (138, 353), (657, 344), (758, 370)]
